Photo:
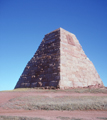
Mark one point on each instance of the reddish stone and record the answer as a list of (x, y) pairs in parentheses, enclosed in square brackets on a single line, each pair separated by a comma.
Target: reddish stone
[(59, 62), (70, 40)]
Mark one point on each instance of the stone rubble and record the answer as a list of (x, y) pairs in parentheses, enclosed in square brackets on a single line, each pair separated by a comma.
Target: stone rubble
[(59, 62)]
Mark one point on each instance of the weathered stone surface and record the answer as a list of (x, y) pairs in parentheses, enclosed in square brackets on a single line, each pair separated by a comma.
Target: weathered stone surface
[(59, 62)]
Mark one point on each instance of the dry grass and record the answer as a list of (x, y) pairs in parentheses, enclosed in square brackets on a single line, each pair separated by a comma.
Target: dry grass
[(19, 118), (17, 90), (74, 90), (102, 118), (58, 103), (34, 118), (67, 118)]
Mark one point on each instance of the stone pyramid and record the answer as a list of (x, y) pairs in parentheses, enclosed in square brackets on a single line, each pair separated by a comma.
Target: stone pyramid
[(60, 62)]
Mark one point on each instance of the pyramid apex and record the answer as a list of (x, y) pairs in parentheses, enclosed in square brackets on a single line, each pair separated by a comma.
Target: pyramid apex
[(59, 29)]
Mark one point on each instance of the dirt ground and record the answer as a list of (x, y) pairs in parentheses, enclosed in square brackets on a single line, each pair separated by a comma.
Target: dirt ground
[(48, 114), (53, 115)]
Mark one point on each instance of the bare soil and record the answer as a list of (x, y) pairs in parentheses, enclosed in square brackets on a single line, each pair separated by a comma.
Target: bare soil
[(6, 96), (50, 114), (54, 115)]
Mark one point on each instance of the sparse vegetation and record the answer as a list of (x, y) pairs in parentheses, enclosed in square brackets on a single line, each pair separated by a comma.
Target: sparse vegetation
[(73, 90), (49, 99), (34, 118), (58, 103), (19, 118), (67, 118), (102, 118)]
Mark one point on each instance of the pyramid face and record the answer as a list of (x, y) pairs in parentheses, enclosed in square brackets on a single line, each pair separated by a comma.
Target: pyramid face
[(60, 62)]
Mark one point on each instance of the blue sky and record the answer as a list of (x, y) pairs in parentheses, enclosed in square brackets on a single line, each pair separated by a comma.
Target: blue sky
[(23, 24)]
